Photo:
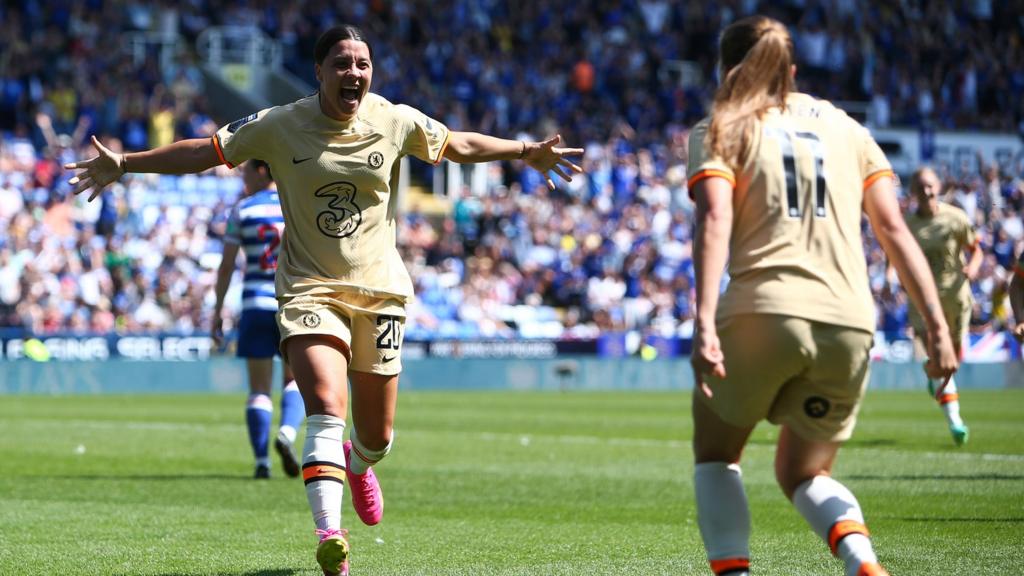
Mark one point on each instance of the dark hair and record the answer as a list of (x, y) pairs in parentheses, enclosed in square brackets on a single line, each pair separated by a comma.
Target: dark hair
[(756, 54), (332, 36), (257, 164)]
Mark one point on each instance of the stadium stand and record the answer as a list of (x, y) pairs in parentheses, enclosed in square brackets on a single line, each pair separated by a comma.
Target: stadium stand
[(610, 252)]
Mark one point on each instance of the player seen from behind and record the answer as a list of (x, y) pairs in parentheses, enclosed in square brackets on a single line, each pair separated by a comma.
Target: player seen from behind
[(781, 180), (256, 227)]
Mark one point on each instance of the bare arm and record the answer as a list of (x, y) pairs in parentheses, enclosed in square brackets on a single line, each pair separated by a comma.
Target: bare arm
[(905, 254), (224, 273), (181, 157), (469, 147), (1016, 294), (46, 127), (710, 252), (974, 259)]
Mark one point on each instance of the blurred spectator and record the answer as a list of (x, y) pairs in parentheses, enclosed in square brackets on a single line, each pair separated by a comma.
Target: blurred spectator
[(610, 252)]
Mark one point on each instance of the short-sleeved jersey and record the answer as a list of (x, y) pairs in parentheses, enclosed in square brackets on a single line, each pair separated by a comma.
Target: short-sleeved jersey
[(795, 248), (943, 238), (337, 182), (257, 225)]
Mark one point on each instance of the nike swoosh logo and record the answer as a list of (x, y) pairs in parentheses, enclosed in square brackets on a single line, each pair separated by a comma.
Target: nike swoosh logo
[(324, 471), (386, 359), (297, 161)]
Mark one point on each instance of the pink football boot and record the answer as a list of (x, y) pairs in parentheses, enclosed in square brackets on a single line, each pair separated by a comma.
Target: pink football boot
[(367, 498)]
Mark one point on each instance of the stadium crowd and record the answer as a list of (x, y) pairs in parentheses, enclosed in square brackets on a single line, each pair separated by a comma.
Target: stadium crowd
[(609, 252)]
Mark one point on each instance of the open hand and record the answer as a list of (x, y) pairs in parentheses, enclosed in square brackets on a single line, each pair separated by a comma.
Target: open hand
[(99, 171), (544, 157)]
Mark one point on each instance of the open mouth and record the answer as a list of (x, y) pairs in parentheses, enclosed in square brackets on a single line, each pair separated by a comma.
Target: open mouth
[(350, 94)]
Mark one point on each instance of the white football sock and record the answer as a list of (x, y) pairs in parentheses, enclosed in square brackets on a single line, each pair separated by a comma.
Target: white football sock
[(362, 457), (723, 516), (323, 469), (834, 514), (950, 404)]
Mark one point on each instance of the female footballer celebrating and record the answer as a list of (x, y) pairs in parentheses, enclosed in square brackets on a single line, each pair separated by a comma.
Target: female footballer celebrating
[(944, 232), (341, 284), (781, 180)]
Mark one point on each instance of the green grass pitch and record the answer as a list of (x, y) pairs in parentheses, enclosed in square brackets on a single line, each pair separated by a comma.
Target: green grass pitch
[(489, 484)]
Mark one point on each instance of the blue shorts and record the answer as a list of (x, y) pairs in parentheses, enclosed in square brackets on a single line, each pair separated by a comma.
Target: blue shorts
[(258, 336)]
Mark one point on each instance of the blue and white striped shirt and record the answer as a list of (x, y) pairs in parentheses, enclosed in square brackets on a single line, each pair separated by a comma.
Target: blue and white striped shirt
[(256, 223)]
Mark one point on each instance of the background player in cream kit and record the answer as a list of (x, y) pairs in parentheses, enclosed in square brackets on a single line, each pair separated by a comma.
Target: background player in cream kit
[(340, 282), (945, 233)]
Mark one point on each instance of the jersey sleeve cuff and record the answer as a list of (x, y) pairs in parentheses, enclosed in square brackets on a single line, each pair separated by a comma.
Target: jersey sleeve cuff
[(709, 173), (444, 147), (876, 176), (220, 152)]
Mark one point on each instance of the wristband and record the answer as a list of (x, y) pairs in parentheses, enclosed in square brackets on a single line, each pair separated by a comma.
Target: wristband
[(522, 153), (123, 164)]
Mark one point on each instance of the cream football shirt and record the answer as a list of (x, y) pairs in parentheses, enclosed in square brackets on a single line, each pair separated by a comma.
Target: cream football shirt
[(795, 248), (337, 182), (943, 238)]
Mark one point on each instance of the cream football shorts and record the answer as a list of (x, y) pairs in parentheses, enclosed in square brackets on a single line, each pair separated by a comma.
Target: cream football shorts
[(957, 310), (371, 328), (806, 375)]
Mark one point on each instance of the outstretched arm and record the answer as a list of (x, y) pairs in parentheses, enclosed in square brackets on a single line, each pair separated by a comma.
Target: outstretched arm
[(182, 157), (468, 147)]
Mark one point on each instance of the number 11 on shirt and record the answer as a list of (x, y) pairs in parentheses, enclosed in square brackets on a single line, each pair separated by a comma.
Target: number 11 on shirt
[(785, 141)]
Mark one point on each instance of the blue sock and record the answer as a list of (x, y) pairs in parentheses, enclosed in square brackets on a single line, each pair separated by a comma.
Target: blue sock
[(293, 410), (258, 415)]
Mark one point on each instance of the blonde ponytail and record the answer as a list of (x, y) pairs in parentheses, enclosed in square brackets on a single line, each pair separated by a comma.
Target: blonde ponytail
[(756, 56)]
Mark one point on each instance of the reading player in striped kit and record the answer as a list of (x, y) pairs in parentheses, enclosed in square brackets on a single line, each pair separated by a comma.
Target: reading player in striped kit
[(256, 225), (341, 283), (781, 180)]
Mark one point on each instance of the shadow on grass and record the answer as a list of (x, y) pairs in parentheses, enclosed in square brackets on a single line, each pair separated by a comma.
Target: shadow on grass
[(872, 443), (913, 477)]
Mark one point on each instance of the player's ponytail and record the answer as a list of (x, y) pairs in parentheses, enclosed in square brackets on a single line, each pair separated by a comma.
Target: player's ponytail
[(756, 58)]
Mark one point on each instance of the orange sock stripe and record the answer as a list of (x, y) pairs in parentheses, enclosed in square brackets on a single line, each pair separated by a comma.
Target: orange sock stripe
[(729, 564), (871, 569), (316, 471), (841, 530), (947, 398), (362, 456)]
